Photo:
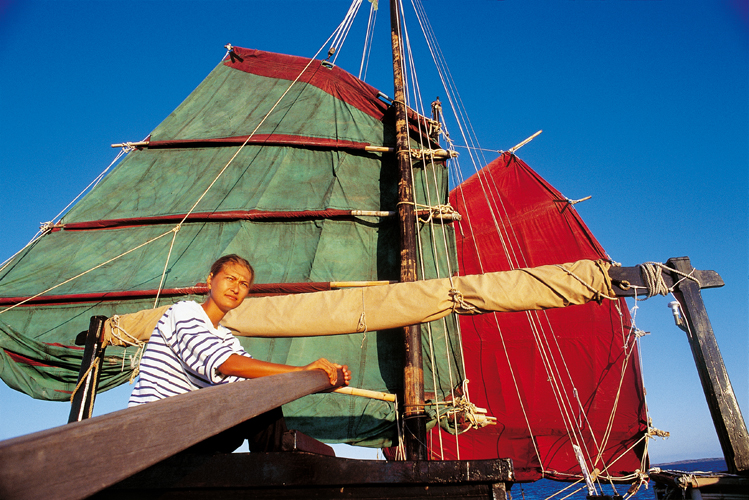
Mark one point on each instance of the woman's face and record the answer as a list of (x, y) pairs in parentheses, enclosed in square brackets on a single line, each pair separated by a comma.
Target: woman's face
[(229, 286)]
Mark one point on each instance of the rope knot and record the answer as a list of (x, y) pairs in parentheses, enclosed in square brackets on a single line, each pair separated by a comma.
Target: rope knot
[(459, 302)]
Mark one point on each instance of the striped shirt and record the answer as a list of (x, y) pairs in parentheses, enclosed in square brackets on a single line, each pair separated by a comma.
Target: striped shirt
[(183, 354)]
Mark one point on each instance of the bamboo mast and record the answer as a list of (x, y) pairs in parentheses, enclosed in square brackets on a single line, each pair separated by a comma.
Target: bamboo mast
[(413, 374)]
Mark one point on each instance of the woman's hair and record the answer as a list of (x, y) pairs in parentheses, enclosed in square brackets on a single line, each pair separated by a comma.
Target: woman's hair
[(234, 259)]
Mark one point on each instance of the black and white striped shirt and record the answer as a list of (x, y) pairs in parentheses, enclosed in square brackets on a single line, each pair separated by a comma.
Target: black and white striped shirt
[(183, 354)]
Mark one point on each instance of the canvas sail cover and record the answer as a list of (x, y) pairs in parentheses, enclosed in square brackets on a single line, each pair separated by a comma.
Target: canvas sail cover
[(283, 202), (388, 306), (513, 218)]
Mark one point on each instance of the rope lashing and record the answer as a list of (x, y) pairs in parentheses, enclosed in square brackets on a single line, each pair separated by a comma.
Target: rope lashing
[(123, 336), (652, 276), (641, 479), (471, 414), (47, 227), (445, 211), (653, 279), (458, 302), (654, 433)]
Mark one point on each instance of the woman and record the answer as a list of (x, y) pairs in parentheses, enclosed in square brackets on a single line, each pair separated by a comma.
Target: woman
[(189, 349)]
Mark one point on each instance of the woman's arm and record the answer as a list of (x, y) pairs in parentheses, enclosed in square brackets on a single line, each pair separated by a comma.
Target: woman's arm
[(245, 367)]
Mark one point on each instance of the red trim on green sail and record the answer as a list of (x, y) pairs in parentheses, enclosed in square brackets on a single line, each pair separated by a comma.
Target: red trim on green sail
[(334, 81), (258, 289), (24, 360), (234, 215), (57, 344), (265, 140)]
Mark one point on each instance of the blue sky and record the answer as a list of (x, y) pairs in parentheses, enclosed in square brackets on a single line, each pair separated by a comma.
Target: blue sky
[(644, 106)]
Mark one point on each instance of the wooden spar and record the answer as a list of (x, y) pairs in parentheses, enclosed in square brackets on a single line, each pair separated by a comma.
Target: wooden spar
[(721, 400), (73, 461), (89, 374), (413, 374), (623, 279), (365, 393)]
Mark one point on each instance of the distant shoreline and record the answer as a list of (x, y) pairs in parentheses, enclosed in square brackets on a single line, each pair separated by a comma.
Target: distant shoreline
[(689, 461)]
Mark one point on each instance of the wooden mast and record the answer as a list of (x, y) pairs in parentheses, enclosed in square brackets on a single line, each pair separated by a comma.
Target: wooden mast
[(413, 376)]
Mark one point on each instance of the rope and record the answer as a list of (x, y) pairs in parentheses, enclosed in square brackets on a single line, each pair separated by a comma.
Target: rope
[(95, 368), (652, 275), (439, 209), (86, 272), (368, 39), (117, 331), (458, 302), (598, 295), (341, 32), (653, 278)]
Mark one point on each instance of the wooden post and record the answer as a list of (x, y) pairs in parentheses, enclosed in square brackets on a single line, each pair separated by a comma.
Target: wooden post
[(88, 376), (721, 400), (413, 376)]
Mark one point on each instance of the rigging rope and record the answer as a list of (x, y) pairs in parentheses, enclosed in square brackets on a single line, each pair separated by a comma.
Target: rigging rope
[(515, 257), (367, 49), (343, 29)]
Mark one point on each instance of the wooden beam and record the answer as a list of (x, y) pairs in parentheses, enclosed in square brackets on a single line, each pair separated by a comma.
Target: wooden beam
[(721, 400), (623, 277), (303, 476), (77, 460)]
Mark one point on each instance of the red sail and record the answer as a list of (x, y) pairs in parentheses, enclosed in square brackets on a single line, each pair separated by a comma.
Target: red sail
[(513, 218)]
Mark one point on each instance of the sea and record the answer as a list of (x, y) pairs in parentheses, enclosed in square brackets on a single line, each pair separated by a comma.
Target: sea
[(546, 488)]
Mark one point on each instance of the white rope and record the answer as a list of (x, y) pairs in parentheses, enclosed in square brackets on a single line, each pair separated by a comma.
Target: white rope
[(367, 49), (86, 272), (652, 276), (342, 31)]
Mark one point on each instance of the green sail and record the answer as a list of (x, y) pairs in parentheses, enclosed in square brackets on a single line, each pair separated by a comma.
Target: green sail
[(304, 158)]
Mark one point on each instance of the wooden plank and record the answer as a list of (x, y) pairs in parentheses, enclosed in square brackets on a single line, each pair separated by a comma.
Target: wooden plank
[(77, 460), (721, 400), (88, 378), (303, 475), (631, 275)]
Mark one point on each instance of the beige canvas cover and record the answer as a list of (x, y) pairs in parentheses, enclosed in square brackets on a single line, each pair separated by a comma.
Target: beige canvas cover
[(355, 310)]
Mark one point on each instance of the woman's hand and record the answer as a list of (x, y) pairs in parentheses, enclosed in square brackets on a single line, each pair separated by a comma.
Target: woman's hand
[(331, 369)]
